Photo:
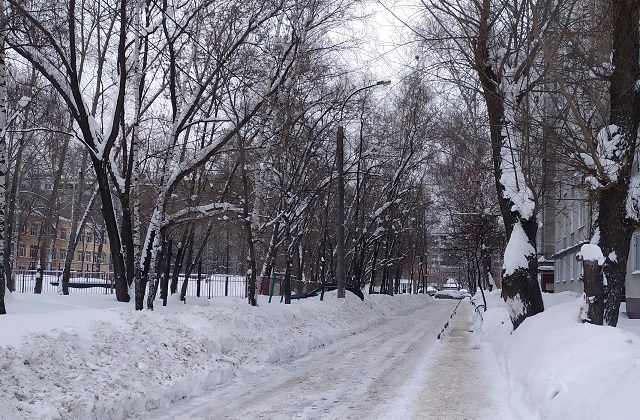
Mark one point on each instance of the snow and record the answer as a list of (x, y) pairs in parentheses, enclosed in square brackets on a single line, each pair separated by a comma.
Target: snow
[(560, 368), (592, 252), (517, 251), (632, 205), (88, 356), (611, 144)]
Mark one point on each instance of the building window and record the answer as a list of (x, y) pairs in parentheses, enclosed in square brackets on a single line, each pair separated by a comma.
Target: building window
[(572, 268), (80, 256), (579, 273), (87, 257), (33, 251), (572, 225), (63, 254), (89, 236), (582, 215), (54, 253), (81, 236), (104, 258), (104, 238), (23, 228), (13, 249), (63, 233), (34, 229), (23, 250)]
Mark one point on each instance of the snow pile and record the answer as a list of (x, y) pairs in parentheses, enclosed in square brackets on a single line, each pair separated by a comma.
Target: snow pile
[(518, 250), (611, 144), (560, 368), (87, 356), (591, 252)]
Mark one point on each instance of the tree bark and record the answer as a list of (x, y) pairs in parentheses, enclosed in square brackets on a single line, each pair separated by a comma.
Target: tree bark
[(593, 291), (111, 224), (616, 228), (3, 157)]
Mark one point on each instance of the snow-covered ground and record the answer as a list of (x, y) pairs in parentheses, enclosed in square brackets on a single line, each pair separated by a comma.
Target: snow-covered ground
[(557, 367), (87, 356)]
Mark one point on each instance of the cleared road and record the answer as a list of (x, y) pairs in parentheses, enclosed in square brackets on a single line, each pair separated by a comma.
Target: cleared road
[(378, 374)]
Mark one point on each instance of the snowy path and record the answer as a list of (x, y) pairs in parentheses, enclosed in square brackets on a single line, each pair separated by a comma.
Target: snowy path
[(463, 383), (378, 374)]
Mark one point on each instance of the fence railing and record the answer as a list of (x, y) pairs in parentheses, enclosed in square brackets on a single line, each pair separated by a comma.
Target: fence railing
[(213, 285)]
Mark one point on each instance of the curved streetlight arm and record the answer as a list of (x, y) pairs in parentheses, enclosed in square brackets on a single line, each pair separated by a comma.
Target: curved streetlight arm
[(378, 83)]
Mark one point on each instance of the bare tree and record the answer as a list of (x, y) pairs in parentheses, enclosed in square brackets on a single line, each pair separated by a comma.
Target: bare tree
[(495, 39)]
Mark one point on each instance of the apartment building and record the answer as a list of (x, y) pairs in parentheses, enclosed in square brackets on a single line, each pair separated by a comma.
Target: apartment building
[(91, 256)]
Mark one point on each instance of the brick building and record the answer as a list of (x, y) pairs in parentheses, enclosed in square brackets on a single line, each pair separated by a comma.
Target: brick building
[(91, 256)]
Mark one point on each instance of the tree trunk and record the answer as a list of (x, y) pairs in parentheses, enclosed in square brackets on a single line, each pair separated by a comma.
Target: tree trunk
[(178, 264), (615, 227), (615, 239), (593, 291), (111, 224), (374, 260), (3, 158), (251, 274), (287, 281), (521, 284)]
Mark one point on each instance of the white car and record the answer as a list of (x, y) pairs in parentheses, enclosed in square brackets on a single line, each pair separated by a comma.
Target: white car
[(465, 292), (449, 294)]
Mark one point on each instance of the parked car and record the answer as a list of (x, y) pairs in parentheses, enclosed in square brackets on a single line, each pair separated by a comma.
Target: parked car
[(431, 290), (465, 292), (449, 294)]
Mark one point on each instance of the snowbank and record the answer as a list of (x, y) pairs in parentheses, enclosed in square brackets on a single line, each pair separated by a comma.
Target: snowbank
[(560, 368), (89, 357)]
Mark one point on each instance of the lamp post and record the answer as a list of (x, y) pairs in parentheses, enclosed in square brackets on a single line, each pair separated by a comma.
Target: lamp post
[(341, 281)]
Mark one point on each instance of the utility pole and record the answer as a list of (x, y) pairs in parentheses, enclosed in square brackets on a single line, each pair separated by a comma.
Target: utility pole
[(341, 281)]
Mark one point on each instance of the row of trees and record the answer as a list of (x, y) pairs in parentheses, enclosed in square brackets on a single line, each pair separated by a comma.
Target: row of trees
[(179, 119), (558, 88)]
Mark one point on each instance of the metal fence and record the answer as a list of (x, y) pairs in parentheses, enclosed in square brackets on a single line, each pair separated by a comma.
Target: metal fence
[(84, 282), (213, 285)]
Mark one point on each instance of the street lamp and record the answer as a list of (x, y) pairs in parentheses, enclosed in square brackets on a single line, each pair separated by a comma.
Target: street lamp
[(341, 281)]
